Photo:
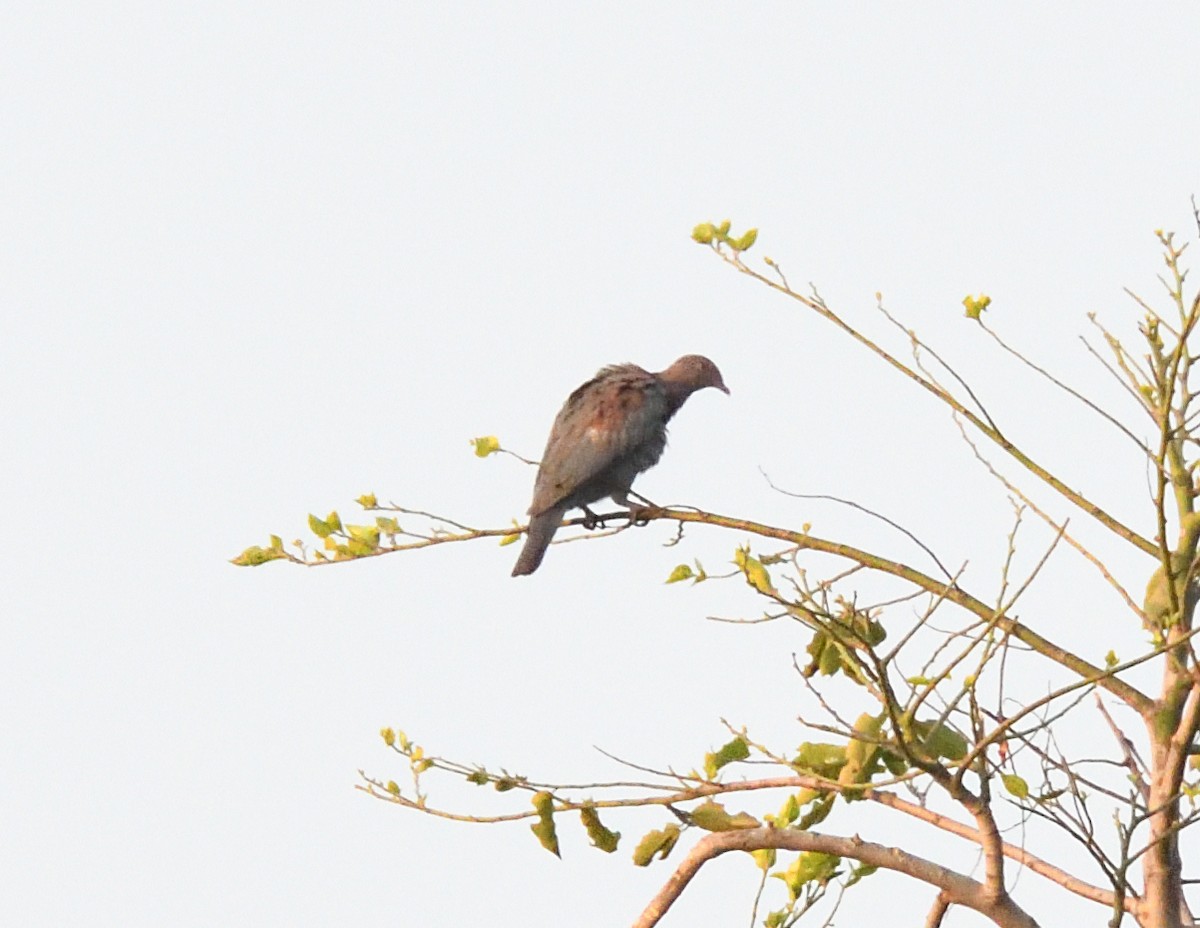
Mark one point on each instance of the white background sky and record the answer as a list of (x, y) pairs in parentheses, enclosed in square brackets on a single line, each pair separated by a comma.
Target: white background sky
[(260, 258)]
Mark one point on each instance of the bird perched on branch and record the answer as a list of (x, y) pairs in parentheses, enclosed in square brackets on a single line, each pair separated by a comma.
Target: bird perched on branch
[(609, 430)]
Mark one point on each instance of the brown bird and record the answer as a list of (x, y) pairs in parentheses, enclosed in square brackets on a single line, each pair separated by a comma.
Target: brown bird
[(609, 430)]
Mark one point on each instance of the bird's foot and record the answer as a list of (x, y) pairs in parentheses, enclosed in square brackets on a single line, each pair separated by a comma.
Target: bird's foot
[(637, 515), (638, 509), (645, 503), (591, 521)]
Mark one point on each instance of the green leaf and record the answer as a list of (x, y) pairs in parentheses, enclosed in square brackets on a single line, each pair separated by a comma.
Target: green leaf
[(1111, 660), (367, 501), (1015, 785), (682, 572), (941, 741), (478, 777), (703, 233), (828, 656), (860, 872), (822, 760), (543, 829), (488, 444), (276, 543), (818, 812), (711, 816), (895, 763), (255, 555), (723, 228), (387, 524), (735, 750), (319, 527), (600, 836), (656, 843), (334, 521), (393, 787)]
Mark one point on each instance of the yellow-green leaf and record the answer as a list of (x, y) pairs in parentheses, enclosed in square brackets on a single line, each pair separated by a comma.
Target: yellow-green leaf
[(393, 787), (543, 829), (656, 843), (600, 836), (817, 812), (276, 543), (789, 811), (749, 237), (255, 555), (388, 736), (682, 572), (942, 741), (764, 857), (367, 501), (387, 524), (509, 539), (809, 867), (756, 575), (823, 760), (734, 750), (488, 444), (356, 547), (703, 233), (319, 527), (334, 521), (860, 872), (861, 750), (367, 534), (711, 816), (1015, 785), (975, 305)]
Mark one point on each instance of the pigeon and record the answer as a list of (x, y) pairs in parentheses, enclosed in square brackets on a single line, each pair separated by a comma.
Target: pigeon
[(609, 430)]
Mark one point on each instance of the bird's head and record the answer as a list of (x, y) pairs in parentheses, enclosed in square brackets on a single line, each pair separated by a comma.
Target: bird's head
[(694, 372)]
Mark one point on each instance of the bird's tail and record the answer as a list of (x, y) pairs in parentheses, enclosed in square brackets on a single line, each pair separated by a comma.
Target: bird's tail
[(541, 532)]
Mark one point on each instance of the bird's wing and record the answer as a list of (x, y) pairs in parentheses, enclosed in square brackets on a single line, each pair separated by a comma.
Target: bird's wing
[(607, 418)]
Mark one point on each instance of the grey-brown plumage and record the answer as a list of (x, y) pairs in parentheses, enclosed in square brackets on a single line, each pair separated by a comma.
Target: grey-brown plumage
[(609, 430)]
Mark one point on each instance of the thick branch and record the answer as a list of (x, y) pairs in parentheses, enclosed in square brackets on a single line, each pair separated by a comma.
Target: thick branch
[(957, 888), (1013, 852), (702, 790)]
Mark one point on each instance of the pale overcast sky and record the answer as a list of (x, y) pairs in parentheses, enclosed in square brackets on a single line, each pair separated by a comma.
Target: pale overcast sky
[(262, 258)]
